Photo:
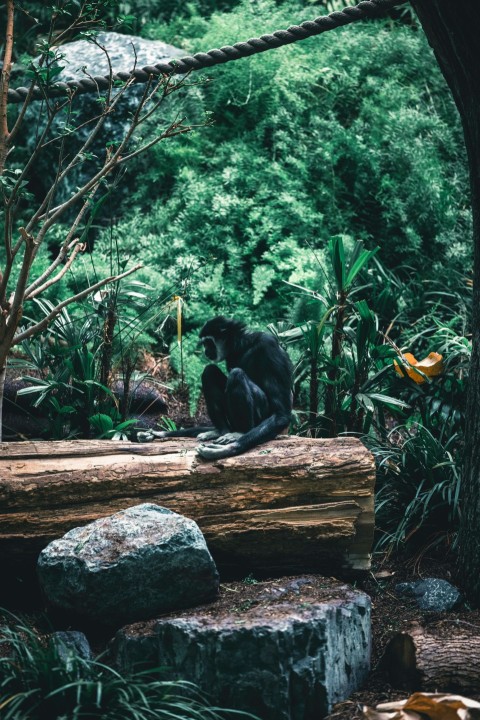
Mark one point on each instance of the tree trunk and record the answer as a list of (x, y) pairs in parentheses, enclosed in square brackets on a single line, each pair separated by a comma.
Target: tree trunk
[(3, 376), (292, 504), (453, 30), (442, 657)]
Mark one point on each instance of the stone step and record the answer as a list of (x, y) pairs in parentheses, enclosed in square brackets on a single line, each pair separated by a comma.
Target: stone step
[(284, 649)]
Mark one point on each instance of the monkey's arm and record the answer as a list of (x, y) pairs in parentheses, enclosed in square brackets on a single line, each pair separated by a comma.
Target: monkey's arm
[(267, 430), (203, 432)]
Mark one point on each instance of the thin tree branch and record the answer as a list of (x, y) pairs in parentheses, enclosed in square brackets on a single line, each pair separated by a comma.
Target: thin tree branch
[(64, 250), (78, 247), (76, 158), (109, 165), (33, 157), (16, 300), (171, 132), (66, 246), (75, 298), (5, 83)]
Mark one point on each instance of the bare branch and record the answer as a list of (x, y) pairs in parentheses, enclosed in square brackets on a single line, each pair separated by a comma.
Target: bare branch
[(171, 132), (4, 84), (64, 250), (76, 158), (75, 298), (66, 246), (78, 247), (16, 300), (22, 112), (33, 157), (110, 163)]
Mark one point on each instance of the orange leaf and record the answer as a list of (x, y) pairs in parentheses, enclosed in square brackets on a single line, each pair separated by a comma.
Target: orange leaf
[(430, 366)]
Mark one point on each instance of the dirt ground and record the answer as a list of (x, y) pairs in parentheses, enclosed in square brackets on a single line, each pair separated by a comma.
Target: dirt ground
[(392, 614)]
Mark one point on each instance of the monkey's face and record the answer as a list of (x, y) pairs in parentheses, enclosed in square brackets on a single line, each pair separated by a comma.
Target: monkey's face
[(214, 348), (216, 337)]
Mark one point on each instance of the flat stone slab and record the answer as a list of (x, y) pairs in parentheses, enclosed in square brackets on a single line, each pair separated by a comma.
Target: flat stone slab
[(285, 649)]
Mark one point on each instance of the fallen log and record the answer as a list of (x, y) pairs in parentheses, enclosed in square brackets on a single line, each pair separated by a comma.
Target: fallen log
[(292, 504), (441, 657)]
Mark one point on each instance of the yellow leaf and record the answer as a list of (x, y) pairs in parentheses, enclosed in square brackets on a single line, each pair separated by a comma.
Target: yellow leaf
[(430, 366), (435, 706)]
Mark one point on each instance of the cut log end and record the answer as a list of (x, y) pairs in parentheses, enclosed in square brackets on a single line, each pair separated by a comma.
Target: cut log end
[(442, 657)]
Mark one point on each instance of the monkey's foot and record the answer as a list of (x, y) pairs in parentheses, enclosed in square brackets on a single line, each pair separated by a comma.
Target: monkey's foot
[(209, 435), (149, 435), (227, 438), (216, 451)]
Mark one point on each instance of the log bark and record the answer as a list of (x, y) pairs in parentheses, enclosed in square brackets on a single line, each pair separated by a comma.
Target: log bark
[(443, 657), (291, 504)]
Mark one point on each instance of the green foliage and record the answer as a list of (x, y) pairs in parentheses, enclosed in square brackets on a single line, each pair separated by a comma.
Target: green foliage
[(418, 493), (343, 355), (419, 462), (414, 430), (40, 679), (77, 359), (350, 133)]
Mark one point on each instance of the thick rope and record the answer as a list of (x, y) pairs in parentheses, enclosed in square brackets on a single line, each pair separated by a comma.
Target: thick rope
[(202, 60)]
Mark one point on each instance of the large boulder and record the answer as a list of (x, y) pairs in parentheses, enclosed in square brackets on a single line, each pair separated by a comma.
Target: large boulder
[(129, 566), (82, 59), (284, 649)]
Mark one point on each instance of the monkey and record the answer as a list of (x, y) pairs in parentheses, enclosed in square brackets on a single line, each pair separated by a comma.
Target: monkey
[(252, 403)]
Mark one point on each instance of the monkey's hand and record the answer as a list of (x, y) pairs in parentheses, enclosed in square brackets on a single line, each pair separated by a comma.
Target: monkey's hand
[(149, 435), (210, 435), (226, 439), (216, 451)]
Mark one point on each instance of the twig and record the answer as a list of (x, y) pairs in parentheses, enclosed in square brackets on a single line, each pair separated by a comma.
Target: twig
[(75, 298)]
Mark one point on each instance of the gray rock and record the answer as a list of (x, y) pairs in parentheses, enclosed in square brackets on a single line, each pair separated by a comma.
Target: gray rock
[(82, 59), (288, 659), (132, 565), (431, 594), (71, 643), (124, 51)]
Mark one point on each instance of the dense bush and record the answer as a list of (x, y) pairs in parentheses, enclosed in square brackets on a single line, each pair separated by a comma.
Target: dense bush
[(353, 132)]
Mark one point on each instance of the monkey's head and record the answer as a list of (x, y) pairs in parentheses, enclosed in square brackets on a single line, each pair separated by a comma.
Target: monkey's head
[(219, 335)]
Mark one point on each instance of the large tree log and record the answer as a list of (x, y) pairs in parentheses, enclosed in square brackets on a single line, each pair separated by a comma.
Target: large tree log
[(292, 504), (442, 657)]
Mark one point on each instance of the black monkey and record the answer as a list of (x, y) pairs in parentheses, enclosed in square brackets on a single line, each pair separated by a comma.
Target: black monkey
[(250, 405)]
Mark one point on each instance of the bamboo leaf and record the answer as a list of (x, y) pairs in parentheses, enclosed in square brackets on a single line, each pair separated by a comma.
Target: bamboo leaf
[(360, 262)]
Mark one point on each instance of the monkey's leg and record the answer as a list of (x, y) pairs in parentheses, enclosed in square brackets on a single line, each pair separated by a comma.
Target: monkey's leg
[(228, 438), (209, 435), (214, 383), (205, 432), (247, 404)]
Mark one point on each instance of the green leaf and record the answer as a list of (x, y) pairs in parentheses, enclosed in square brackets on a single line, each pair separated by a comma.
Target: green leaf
[(101, 423), (364, 257), (388, 400), (366, 402), (337, 255)]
